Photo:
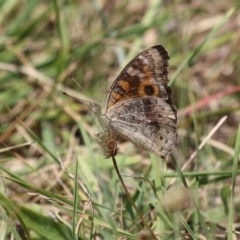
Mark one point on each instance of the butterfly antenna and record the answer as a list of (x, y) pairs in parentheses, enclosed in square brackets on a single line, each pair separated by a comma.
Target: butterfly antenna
[(71, 76), (78, 99)]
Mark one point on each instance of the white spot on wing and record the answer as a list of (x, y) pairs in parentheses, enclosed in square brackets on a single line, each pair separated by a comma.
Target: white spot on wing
[(132, 71), (144, 59)]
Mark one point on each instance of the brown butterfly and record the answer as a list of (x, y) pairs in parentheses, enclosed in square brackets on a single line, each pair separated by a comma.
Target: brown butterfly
[(138, 106)]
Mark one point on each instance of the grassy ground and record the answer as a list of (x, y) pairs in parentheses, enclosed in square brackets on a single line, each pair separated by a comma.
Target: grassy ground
[(55, 183)]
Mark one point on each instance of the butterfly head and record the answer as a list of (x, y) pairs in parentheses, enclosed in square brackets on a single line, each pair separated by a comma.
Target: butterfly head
[(96, 108)]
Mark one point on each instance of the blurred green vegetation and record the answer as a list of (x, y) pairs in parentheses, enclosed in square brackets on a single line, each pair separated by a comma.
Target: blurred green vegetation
[(55, 183)]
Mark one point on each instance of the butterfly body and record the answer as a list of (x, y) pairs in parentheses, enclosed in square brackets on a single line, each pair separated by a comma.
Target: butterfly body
[(138, 106)]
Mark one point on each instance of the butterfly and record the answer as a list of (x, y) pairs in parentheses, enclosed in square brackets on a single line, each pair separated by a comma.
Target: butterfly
[(138, 106)]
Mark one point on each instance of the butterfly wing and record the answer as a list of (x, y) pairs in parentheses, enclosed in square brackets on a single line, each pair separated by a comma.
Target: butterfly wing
[(150, 124), (145, 75)]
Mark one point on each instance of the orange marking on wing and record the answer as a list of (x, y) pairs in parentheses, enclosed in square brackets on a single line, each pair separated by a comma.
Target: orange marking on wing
[(152, 89), (116, 96), (148, 82), (146, 71), (124, 84)]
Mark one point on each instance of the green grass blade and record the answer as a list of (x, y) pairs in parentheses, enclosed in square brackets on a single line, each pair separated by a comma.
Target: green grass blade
[(192, 55), (75, 203), (234, 176)]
